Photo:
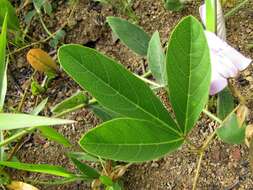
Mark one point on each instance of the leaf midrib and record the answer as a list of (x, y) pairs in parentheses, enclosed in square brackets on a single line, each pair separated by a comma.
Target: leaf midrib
[(139, 144), (137, 106), (189, 82)]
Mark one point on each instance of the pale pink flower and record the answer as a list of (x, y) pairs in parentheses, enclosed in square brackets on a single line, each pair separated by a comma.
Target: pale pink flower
[(226, 61)]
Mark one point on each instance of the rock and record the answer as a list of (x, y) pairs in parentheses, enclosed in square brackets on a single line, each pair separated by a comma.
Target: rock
[(236, 154), (154, 165)]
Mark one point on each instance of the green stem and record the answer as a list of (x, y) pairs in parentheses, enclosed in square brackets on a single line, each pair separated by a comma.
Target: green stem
[(73, 109), (16, 136), (1, 148), (149, 81), (147, 74), (234, 10), (44, 26), (25, 93), (201, 154), (194, 186), (193, 148), (209, 114)]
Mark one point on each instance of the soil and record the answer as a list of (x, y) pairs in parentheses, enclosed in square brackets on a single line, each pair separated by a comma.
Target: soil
[(223, 167)]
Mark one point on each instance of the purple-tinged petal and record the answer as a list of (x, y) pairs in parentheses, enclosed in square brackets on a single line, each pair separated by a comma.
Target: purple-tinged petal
[(226, 68), (239, 60), (202, 12), (227, 59), (218, 83)]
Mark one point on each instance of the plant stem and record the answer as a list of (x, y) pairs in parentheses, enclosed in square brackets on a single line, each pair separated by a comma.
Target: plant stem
[(149, 81), (208, 140), (1, 148), (209, 114), (16, 136), (192, 146), (25, 93), (30, 45), (44, 25), (197, 171), (201, 154), (231, 12), (92, 101), (147, 74), (103, 166)]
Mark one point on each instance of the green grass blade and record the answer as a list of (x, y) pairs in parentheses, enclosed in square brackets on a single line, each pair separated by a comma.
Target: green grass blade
[(6, 7), (40, 168), (51, 134), (16, 121), (3, 64), (86, 170), (39, 107)]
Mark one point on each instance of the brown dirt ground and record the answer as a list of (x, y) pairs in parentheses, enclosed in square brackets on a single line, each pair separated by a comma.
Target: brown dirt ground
[(224, 166)]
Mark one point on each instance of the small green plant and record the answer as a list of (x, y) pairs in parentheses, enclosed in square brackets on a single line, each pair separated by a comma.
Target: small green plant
[(124, 6), (136, 125), (143, 130), (175, 5), (146, 129)]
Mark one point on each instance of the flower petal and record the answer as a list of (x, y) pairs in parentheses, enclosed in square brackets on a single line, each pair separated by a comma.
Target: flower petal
[(202, 12), (239, 60), (218, 83), (226, 55)]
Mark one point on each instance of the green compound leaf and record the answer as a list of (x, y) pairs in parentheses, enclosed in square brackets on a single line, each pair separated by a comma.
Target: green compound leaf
[(113, 86), (130, 140), (188, 71), (156, 59), (5, 6), (40, 168), (130, 34), (230, 131), (10, 121)]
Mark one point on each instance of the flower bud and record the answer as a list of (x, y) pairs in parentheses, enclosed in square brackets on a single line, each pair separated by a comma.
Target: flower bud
[(41, 61)]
